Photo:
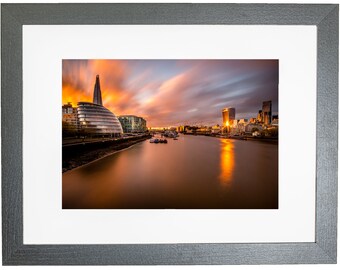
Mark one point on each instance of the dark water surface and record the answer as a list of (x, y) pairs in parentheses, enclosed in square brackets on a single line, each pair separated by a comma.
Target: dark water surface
[(194, 172)]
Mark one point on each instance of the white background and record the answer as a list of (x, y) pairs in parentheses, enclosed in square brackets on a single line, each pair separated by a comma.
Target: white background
[(241, 267), (44, 220)]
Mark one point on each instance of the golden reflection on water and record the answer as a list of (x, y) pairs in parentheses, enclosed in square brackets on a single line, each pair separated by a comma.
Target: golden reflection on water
[(227, 162)]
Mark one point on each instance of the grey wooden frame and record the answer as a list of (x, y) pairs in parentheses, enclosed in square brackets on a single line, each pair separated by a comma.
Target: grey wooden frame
[(323, 250)]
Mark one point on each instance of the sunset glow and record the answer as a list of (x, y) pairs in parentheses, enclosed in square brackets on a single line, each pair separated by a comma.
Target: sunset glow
[(174, 92)]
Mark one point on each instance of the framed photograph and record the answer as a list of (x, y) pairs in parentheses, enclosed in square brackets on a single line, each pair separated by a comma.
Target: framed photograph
[(184, 148), (169, 134)]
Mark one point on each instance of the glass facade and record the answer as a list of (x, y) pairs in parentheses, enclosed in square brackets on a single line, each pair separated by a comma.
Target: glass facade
[(132, 123), (97, 93), (96, 119)]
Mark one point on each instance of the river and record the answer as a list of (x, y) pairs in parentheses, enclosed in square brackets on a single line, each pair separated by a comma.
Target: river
[(193, 172)]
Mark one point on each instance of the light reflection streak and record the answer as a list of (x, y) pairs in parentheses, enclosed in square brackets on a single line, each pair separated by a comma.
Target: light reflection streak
[(227, 162)]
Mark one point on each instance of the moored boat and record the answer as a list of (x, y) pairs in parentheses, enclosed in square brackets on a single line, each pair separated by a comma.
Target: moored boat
[(157, 140)]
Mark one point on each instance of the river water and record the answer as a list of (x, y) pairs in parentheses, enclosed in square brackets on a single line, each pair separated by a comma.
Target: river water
[(193, 172)]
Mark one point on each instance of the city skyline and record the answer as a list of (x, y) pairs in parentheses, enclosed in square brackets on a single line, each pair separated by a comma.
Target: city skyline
[(174, 92)]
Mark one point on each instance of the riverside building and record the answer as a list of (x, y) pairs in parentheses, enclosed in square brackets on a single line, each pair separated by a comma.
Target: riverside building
[(95, 119), (132, 123), (70, 122), (70, 114)]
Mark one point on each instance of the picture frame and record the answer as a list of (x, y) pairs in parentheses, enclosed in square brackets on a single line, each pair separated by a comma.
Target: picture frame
[(322, 251)]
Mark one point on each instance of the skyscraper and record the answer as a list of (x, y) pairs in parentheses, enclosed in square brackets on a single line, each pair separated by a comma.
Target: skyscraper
[(97, 94), (267, 112), (228, 115)]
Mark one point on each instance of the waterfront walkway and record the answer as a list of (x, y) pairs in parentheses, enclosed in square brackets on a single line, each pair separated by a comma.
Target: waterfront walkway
[(77, 141)]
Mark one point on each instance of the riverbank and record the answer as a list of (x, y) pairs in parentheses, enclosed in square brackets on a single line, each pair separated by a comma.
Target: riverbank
[(75, 155)]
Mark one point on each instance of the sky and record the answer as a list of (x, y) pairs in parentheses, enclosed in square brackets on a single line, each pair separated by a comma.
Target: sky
[(174, 92)]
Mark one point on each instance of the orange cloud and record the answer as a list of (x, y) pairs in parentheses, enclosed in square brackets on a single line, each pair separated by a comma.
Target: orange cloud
[(79, 78)]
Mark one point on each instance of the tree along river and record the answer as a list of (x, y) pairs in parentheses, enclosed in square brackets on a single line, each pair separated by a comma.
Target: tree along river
[(193, 172)]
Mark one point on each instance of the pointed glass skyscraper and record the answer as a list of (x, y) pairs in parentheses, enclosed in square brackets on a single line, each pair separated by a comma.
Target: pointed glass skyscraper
[(97, 94)]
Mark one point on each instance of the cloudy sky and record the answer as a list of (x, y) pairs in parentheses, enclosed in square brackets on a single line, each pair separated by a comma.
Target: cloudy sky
[(174, 92)]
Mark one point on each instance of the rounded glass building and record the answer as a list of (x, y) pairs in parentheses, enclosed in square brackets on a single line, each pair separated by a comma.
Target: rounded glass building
[(94, 119)]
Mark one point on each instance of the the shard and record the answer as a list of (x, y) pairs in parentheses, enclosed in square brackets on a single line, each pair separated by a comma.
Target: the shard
[(97, 94)]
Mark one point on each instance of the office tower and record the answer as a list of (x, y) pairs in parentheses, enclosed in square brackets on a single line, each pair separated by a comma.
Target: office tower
[(267, 112), (228, 115)]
